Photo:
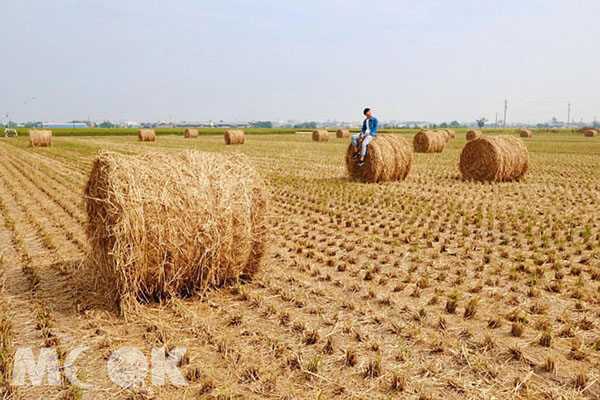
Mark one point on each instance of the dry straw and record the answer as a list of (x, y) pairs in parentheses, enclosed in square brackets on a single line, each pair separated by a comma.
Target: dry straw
[(146, 135), (389, 158), (165, 224), (590, 133), (451, 133), (525, 133), (235, 136), (320, 135), (427, 141), (190, 133), (342, 133), (473, 134), (494, 158), (41, 138), (444, 134)]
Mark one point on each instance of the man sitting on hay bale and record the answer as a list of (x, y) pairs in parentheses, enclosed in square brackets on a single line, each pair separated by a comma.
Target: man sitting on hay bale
[(366, 135)]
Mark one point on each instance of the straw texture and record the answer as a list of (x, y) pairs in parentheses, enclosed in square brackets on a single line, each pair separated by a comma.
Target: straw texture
[(190, 133), (146, 135), (590, 133), (320, 135), (525, 133), (164, 224), (342, 133), (40, 138), (494, 158), (235, 136), (389, 158), (473, 134), (427, 141)]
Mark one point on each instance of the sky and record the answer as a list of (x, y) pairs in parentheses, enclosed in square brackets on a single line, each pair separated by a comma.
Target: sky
[(433, 60)]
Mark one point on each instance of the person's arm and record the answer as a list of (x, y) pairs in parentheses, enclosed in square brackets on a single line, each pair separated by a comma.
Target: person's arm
[(375, 126), (363, 129)]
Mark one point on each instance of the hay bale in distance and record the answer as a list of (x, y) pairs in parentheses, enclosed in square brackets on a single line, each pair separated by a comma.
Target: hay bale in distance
[(235, 136), (451, 133), (320, 135), (190, 133), (166, 224), (494, 158), (590, 133), (427, 141), (389, 158), (146, 135), (40, 138), (342, 133), (525, 133), (473, 134), (444, 134)]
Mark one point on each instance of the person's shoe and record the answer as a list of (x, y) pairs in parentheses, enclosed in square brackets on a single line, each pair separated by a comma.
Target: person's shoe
[(355, 155), (361, 163)]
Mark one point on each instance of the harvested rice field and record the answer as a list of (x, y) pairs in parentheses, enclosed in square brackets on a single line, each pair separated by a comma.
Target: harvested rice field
[(431, 287)]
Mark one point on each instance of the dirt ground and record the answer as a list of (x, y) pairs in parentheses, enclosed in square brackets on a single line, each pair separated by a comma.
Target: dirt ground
[(429, 288)]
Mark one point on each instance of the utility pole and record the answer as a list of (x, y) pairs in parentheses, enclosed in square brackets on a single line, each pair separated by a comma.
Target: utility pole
[(505, 107), (568, 114), (594, 123), (496, 123)]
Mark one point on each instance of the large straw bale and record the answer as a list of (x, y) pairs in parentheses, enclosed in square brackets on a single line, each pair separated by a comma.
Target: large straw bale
[(473, 134), (235, 136), (428, 141), (389, 158), (525, 133), (40, 138), (590, 133), (342, 133), (165, 224), (320, 135), (190, 133), (146, 135), (494, 158)]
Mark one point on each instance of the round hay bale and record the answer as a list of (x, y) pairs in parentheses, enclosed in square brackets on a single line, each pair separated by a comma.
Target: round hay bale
[(40, 138), (320, 135), (235, 136), (525, 133), (494, 158), (389, 158), (190, 133), (166, 224), (590, 133), (451, 133), (146, 135), (444, 134), (473, 134), (427, 141), (342, 133)]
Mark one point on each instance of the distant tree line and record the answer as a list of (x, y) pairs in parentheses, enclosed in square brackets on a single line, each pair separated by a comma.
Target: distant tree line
[(306, 125), (261, 124)]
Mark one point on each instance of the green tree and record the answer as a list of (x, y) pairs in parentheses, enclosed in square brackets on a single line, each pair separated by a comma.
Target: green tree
[(454, 124), (261, 124), (106, 124), (481, 122)]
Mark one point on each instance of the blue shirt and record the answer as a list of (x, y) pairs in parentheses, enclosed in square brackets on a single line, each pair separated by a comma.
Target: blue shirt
[(373, 125)]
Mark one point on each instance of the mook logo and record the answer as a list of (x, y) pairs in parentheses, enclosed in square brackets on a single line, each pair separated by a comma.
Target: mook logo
[(127, 367)]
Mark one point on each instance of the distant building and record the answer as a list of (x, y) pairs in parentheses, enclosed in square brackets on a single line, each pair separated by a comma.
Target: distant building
[(72, 125), (132, 124)]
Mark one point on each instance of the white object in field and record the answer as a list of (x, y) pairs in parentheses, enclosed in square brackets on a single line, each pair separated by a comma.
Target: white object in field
[(8, 131)]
